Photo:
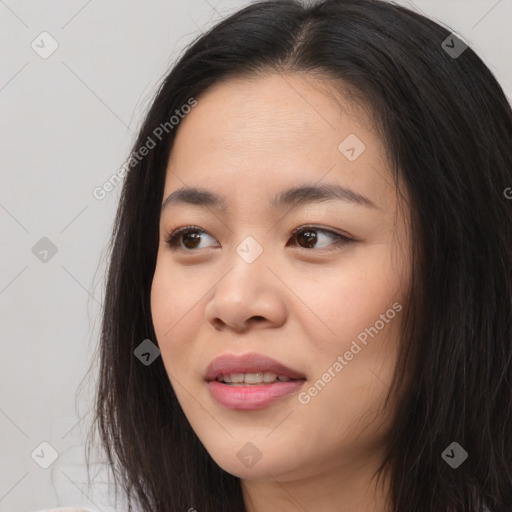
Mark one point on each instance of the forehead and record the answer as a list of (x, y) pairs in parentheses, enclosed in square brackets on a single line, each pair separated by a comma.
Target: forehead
[(274, 131)]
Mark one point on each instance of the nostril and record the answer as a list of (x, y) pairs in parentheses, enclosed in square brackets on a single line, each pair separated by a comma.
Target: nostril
[(218, 324)]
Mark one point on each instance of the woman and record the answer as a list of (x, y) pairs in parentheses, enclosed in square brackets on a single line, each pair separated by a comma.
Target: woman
[(309, 300)]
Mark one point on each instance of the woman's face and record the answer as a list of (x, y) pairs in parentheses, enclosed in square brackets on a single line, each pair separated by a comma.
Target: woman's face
[(240, 282)]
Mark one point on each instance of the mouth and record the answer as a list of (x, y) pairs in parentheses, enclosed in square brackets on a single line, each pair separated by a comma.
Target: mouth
[(253, 379), (249, 368), (250, 381)]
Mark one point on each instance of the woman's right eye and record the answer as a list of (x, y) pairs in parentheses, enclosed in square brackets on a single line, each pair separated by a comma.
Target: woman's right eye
[(186, 238)]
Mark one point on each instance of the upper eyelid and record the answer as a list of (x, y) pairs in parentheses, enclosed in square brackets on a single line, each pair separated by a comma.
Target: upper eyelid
[(184, 229), (329, 231)]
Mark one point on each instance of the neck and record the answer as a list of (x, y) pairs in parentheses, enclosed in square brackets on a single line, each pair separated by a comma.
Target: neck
[(342, 490)]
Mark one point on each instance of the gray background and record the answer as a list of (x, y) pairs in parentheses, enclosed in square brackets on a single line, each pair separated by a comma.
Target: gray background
[(68, 122)]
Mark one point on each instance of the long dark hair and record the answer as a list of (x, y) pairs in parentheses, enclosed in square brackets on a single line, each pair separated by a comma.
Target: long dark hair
[(446, 125)]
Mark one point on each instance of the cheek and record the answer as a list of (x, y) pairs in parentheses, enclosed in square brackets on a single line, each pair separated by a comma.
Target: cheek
[(162, 304), (342, 303), (173, 313), (352, 361), (175, 296)]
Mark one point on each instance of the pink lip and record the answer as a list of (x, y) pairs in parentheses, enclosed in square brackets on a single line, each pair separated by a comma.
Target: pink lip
[(251, 397), (251, 362)]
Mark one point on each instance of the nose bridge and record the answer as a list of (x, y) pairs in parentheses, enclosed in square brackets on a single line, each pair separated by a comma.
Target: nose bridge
[(244, 291), (249, 250), (247, 264)]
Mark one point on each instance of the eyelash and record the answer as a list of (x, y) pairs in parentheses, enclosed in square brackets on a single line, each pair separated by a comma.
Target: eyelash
[(173, 239)]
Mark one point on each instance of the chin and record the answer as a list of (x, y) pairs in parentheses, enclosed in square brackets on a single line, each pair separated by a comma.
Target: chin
[(262, 470), (247, 461)]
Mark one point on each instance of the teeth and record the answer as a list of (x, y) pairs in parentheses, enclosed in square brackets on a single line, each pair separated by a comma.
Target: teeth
[(253, 378)]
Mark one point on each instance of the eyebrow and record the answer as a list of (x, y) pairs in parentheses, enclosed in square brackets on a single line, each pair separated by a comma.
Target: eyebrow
[(296, 196)]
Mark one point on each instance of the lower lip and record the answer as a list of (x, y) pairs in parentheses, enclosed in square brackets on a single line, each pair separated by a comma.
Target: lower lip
[(248, 398)]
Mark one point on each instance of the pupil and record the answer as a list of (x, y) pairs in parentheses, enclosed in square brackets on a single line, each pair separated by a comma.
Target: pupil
[(310, 236), (193, 235)]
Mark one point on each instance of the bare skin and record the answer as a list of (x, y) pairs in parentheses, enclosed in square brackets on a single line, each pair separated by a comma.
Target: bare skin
[(298, 301)]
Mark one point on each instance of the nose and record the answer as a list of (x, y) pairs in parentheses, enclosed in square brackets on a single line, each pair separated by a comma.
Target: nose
[(249, 296)]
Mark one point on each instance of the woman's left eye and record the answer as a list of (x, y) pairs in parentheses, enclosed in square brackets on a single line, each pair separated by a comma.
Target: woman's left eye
[(308, 235)]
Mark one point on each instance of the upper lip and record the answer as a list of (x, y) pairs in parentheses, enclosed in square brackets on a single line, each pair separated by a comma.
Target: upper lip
[(252, 362)]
